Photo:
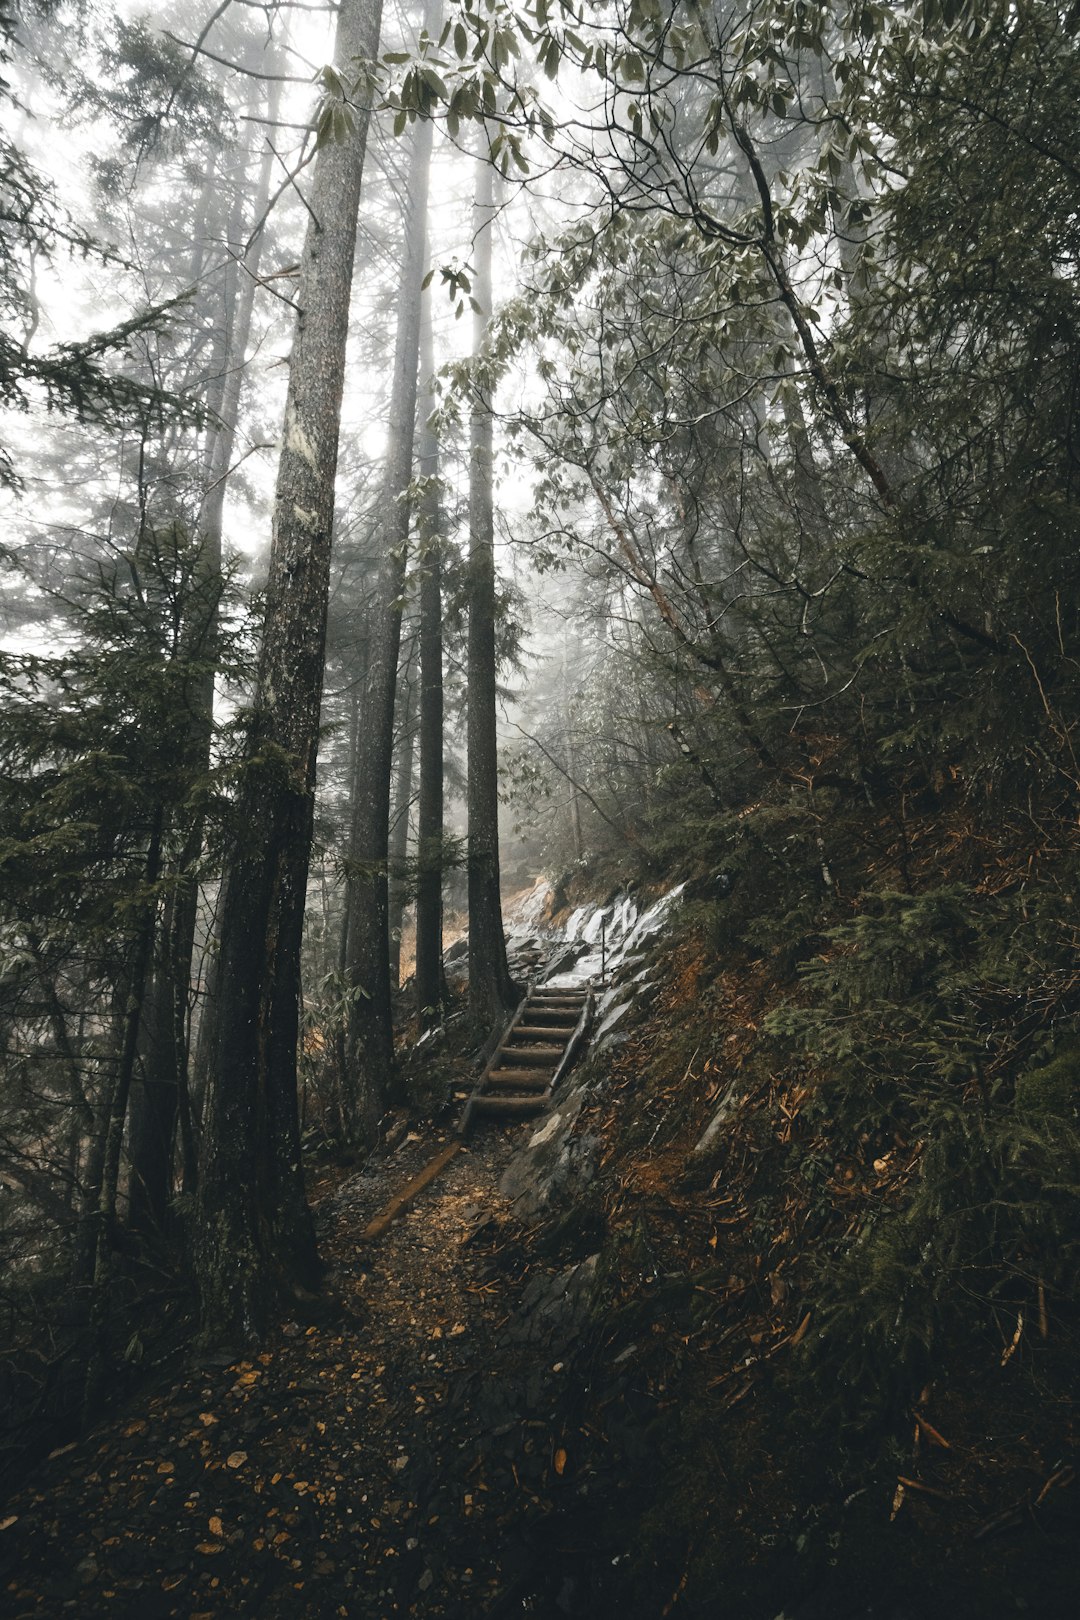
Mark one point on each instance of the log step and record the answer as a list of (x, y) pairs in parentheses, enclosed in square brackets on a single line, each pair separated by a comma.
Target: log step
[(544, 1056), (505, 1067), (508, 1105), (520, 1079)]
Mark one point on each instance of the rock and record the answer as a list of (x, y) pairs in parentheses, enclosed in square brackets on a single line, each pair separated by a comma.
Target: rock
[(555, 1164), (554, 1309), (725, 1109)]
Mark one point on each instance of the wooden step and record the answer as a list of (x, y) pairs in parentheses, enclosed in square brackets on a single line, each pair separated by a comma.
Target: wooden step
[(543, 1032), (504, 1066), (544, 1056), (508, 1105), (519, 1079)]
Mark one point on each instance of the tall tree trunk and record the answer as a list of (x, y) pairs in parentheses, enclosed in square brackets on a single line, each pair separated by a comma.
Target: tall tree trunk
[(160, 1096), (491, 990), (429, 975), (255, 1233), (371, 1029), (399, 829), (570, 749), (104, 1211)]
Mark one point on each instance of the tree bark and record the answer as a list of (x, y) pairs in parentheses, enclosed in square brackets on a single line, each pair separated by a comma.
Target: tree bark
[(491, 989), (255, 1235), (104, 1213), (160, 1096), (371, 1029), (568, 744), (399, 829), (429, 909)]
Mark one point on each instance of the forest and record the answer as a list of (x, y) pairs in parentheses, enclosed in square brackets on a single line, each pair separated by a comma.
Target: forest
[(506, 499)]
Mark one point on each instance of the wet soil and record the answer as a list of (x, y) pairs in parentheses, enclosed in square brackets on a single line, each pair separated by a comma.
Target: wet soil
[(313, 1479)]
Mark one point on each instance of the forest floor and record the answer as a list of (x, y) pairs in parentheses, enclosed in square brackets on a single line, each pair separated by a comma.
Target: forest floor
[(336, 1472), (602, 1410)]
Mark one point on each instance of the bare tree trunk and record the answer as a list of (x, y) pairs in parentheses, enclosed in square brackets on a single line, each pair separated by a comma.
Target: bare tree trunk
[(429, 909), (255, 1234), (491, 990), (371, 1031), (571, 751), (160, 1096), (399, 829), (104, 1213)]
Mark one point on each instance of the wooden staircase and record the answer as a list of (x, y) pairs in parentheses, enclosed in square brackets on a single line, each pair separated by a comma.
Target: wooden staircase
[(538, 1046)]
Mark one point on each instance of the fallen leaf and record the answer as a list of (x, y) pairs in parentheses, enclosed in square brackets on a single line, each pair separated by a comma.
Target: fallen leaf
[(931, 1433), (800, 1332), (209, 1547), (560, 1461), (6, 1524), (166, 1468), (236, 1459), (206, 1419), (1007, 1353)]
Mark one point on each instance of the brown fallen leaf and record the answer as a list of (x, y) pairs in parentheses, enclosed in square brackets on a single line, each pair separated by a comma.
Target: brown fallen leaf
[(236, 1459), (559, 1461), (1063, 1476), (917, 1485), (1010, 1349), (800, 1332), (931, 1433), (216, 1526), (6, 1524), (208, 1548)]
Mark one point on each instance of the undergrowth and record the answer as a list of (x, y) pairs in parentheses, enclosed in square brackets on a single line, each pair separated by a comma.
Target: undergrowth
[(884, 1230)]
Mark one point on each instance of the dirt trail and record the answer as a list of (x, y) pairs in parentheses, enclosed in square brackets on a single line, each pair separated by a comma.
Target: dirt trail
[(331, 1474)]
